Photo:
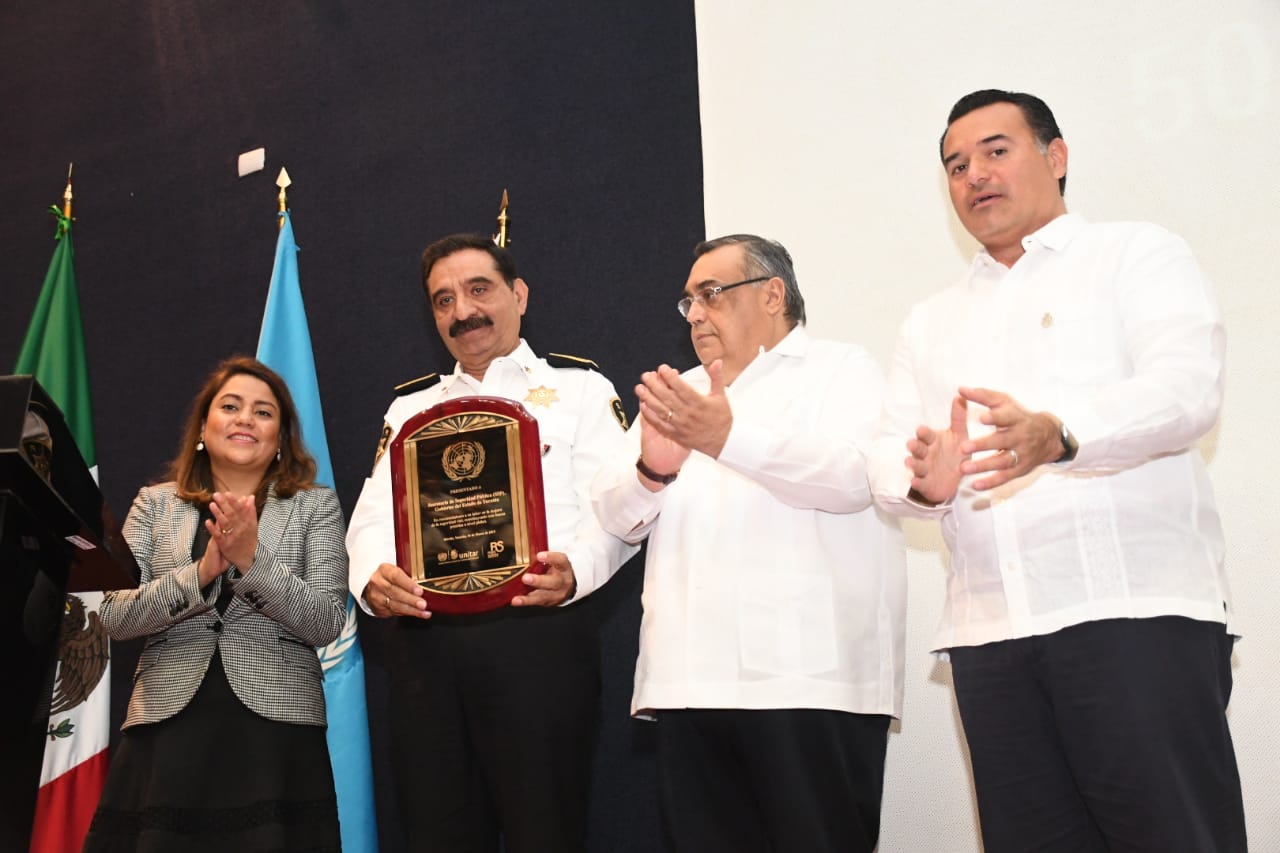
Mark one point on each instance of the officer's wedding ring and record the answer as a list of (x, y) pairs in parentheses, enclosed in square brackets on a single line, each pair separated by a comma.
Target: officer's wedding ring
[(388, 598), (1014, 454)]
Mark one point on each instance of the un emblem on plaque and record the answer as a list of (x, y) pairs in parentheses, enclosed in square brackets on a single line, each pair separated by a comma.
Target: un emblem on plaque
[(466, 477), (463, 460)]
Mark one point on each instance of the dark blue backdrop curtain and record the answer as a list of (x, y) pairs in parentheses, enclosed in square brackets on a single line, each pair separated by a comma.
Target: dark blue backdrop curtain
[(398, 122)]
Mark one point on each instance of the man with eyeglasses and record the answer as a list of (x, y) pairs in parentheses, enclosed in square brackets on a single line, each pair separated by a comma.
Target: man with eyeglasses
[(771, 647)]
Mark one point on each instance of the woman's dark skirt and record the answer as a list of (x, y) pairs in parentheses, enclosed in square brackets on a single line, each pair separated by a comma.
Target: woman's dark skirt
[(217, 777)]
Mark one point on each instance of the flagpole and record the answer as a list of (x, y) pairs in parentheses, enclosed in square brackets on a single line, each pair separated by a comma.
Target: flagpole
[(66, 194), (283, 182), (500, 239)]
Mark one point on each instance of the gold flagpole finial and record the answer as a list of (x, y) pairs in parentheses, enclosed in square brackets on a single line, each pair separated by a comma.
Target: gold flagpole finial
[(283, 182), (500, 239), (66, 194)]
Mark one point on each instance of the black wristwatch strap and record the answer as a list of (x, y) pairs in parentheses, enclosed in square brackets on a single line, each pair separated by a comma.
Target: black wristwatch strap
[(650, 474)]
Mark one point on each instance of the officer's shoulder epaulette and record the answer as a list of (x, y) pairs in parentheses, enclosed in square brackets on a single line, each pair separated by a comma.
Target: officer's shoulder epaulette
[(557, 359), (416, 384)]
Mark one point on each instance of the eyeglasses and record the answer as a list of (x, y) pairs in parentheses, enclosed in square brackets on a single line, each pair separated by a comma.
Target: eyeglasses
[(708, 295)]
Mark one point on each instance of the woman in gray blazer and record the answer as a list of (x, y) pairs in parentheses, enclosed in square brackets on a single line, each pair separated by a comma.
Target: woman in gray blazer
[(243, 573)]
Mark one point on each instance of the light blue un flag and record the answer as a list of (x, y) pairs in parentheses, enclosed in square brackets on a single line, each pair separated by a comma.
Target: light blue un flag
[(285, 347)]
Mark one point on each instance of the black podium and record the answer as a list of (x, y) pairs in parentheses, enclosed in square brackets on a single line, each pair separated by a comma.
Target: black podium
[(56, 536)]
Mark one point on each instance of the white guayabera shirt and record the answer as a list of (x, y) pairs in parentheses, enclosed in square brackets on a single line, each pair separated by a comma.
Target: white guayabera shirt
[(1112, 328)]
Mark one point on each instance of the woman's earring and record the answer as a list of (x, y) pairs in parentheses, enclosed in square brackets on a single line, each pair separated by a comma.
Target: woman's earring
[(200, 443), (277, 454)]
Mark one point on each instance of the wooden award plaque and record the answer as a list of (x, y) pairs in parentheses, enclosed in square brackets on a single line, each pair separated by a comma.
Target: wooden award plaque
[(466, 476)]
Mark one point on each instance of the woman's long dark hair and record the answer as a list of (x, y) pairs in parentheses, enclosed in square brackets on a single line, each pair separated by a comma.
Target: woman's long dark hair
[(293, 471)]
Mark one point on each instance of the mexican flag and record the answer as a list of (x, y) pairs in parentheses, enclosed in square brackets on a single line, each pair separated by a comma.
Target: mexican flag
[(75, 756)]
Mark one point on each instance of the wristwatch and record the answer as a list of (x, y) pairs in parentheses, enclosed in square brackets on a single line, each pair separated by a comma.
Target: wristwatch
[(1070, 447), (650, 474)]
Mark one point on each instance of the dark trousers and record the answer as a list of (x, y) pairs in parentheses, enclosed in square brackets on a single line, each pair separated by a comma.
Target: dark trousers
[(1108, 735), (493, 723), (771, 781)]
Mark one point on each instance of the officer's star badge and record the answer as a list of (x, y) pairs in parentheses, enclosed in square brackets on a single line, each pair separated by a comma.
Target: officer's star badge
[(542, 396)]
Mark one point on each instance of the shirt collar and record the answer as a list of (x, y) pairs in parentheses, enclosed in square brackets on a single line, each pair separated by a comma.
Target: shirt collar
[(1057, 233), (522, 356), (1054, 236), (794, 344)]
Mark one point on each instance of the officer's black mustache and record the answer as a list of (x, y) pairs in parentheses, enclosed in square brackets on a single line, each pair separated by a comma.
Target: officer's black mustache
[(457, 327)]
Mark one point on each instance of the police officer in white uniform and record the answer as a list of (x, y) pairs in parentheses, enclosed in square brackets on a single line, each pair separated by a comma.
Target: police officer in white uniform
[(493, 716)]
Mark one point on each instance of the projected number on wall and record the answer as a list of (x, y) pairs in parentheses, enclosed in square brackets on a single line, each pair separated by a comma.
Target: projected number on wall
[(1222, 74)]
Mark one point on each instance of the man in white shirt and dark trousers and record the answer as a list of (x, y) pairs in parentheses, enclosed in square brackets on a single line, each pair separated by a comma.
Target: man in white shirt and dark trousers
[(1049, 405), (494, 715), (771, 646)]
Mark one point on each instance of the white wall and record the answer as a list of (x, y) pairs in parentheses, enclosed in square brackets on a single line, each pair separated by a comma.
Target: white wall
[(820, 127)]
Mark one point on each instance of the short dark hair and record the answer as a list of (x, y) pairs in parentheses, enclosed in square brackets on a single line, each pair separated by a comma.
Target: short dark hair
[(1035, 111), (446, 246), (294, 471), (763, 258)]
